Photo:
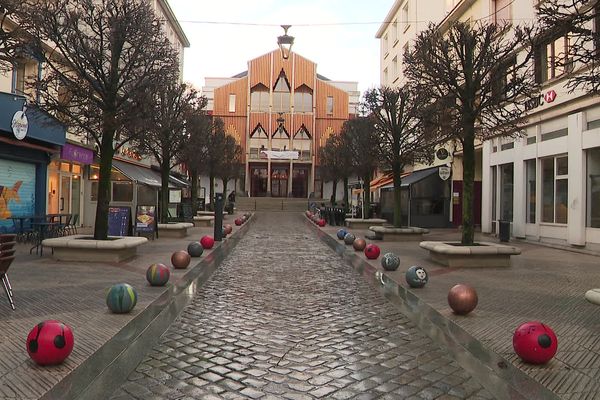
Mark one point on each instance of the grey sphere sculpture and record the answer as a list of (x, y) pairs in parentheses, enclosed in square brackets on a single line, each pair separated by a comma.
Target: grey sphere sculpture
[(195, 249), (390, 262), (416, 277), (349, 238)]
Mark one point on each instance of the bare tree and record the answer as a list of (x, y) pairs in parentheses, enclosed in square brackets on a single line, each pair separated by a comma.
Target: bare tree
[(335, 164), (230, 162), (165, 138), (211, 163), (574, 22), (404, 138), (108, 58), (12, 36), (362, 142), (478, 78)]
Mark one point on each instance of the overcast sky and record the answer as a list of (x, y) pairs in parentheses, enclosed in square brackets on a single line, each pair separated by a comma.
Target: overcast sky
[(342, 52)]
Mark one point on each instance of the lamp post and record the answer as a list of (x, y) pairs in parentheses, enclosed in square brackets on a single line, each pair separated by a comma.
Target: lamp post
[(285, 42)]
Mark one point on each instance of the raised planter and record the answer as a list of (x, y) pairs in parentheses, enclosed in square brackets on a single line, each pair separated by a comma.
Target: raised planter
[(174, 230), (85, 248), (204, 220), (485, 254), (208, 214), (359, 223), (391, 234)]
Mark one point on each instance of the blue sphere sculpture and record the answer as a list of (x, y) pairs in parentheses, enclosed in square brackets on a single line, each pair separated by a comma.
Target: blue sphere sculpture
[(349, 239), (390, 262), (416, 277), (341, 234)]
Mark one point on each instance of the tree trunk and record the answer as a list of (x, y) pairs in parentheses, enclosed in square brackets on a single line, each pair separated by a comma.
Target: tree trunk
[(211, 191), (106, 155), (468, 229), (194, 190), (346, 201), (367, 196), (335, 182), (225, 182), (397, 175), (164, 190)]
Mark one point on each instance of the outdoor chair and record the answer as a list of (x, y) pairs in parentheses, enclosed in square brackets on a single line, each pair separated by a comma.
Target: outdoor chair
[(71, 227), (5, 262)]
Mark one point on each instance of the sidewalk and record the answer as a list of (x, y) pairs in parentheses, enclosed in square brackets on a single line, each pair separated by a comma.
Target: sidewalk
[(543, 284), (74, 293)]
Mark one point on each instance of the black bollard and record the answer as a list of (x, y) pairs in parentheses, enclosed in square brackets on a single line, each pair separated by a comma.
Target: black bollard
[(218, 234)]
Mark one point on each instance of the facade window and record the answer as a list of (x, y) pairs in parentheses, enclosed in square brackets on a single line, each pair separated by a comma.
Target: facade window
[(19, 78), (232, 103), (122, 191), (450, 4), (303, 99), (281, 94), (503, 84), (593, 188), (385, 45), (259, 98), (395, 67), (302, 133), (395, 31), (404, 17), (281, 139), (259, 140), (329, 105), (502, 11), (506, 191), (259, 133), (552, 59), (555, 189), (530, 177), (385, 76)]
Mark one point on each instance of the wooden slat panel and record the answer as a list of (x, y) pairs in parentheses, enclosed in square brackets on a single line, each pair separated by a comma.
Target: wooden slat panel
[(340, 101), (324, 129), (260, 70), (278, 64), (256, 118), (304, 72), (236, 127), (221, 98)]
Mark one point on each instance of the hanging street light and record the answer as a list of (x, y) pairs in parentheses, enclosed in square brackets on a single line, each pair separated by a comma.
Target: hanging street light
[(285, 42)]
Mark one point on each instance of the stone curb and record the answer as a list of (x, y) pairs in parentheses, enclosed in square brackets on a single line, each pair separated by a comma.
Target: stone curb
[(495, 374), (108, 368)]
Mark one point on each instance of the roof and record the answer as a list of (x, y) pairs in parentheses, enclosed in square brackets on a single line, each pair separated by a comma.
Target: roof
[(413, 177), (138, 174)]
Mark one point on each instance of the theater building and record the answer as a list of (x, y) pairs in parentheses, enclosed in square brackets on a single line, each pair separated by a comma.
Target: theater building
[(281, 112)]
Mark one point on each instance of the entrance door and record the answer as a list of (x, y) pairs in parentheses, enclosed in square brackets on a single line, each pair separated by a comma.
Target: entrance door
[(258, 182), (64, 200), (75, 195), (300, 183), (279, 182)]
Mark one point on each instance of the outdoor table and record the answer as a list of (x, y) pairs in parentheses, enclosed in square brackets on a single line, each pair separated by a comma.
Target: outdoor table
[(42, 229), (21, 220)]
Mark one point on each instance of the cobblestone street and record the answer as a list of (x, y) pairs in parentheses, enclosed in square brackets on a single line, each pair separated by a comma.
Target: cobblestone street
[(285, 317)]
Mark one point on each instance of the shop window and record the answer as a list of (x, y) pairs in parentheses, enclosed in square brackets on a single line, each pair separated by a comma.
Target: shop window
[(555, 189), (122, 191), (593, 188), (530, 171), (281, 94), (552, 59), (94, 191), (506, 192), (259, 98), (303, 99)]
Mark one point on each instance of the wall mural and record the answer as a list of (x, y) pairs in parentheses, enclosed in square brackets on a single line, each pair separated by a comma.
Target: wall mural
[(17, 192)]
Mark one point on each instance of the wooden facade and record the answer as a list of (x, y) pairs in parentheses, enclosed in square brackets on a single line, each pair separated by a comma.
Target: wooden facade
[(326, 115)]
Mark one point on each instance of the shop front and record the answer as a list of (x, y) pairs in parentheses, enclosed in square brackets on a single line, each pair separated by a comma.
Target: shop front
[(29, 139)]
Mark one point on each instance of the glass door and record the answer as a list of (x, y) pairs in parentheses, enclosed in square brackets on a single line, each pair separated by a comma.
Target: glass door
[(75, 195), (64, 200)]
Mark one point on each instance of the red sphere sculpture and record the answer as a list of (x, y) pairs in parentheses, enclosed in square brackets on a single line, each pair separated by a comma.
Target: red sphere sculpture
[(228, 229), (180, 259), (372, 251), (321, 222), (207, 242), (535, 342), (359, 244), (50, 342), (238, 222), (462, 299)]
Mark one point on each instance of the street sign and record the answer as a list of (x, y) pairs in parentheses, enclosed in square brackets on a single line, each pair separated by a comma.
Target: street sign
[(444, 173)]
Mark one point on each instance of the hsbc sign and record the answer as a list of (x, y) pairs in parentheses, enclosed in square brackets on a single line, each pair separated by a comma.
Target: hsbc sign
[(540, 100)]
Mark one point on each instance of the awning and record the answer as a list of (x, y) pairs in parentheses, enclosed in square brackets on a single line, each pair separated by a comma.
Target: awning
[(414, 177), (138, 174), (178, 182)]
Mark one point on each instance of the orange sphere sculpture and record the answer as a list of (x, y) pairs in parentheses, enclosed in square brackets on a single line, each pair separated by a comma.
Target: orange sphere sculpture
[(228, 229), (462, 299), (180, 259), (359, 244)]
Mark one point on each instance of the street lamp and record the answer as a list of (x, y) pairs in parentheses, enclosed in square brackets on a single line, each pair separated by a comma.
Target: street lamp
[(285, 42)]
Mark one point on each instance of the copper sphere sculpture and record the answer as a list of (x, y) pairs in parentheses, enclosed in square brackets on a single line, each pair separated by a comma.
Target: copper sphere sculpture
[(180, 259), (228, 228), (359, 244), (462, 299)]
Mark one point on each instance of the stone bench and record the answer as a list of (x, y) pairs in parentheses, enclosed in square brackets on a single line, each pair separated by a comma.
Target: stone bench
[(85, 248), (204, 220), (209, 214), (359, 223), (175, 230), (486, 254), (392, 234)]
